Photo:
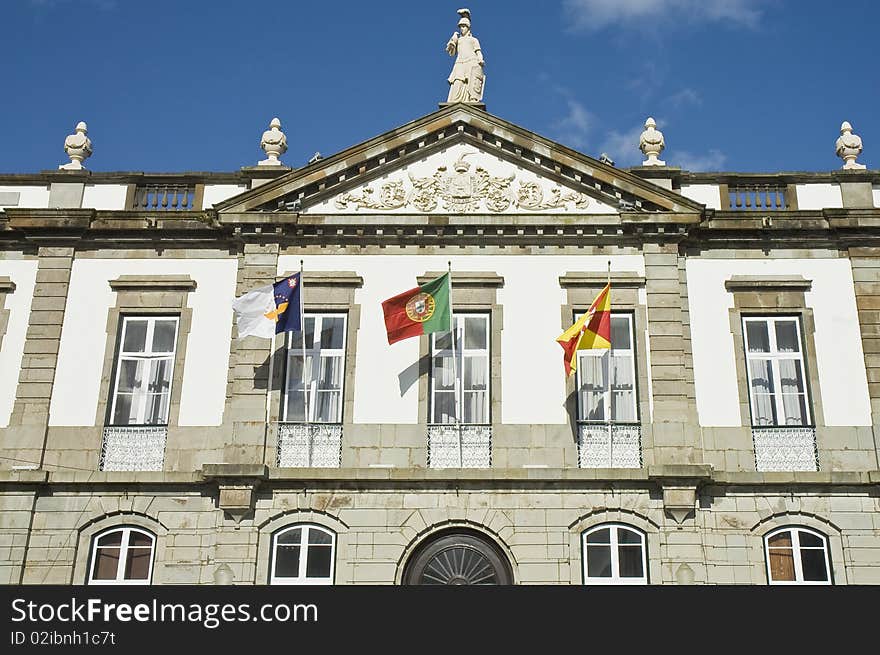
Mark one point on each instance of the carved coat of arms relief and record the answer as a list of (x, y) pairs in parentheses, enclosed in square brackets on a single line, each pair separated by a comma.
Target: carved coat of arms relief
[(462, 191)]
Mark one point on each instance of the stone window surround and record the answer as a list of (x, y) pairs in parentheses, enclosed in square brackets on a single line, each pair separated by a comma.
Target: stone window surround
[(330, 292), (773, 296), (7, 286), (582, 289), (146, 295), (274, 525), (832, 534), (472, 292), (87, 533)]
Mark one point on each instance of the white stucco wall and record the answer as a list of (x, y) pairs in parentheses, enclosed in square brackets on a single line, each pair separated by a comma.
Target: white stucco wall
[(24, 274), (532, 376), (428, 167), (818, 196), (215, 193), (840, 360), (876, 191), (105, 196), (84, 337), (707, 194), (28, 196)]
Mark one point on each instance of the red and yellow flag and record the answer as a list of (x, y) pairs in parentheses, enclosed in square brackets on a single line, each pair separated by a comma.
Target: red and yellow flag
[(592, 330)]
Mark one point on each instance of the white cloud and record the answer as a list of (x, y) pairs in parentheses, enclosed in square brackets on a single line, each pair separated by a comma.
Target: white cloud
[(574, 128), (594, 15), (686, 96), (623, 147), (713, 160)]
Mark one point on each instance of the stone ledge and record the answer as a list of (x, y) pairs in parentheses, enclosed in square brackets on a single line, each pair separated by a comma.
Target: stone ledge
[(225, 471), (330, 278), (465, 279), (767, 282), (153, 283), (622, 279), (6, 284)]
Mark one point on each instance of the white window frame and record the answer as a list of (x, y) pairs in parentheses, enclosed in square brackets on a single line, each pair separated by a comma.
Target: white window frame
[(461, 354), (123, 556), (608, 354), (796, 548), (147, 356), (615, 578), (315, 354), (301, 578), (775, 357)]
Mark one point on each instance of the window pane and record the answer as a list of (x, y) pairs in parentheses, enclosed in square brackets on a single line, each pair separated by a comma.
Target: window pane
[(442, 341), (130, 374), (139, 539), (287, 561), (332, 332), (156, 411), (593, 376), (135, 336), (327, 407), (160, 376), (475, 409), (630, 561), (599, 561), (795, 409), (620, 336), (757, 336), (625, 536), (786, 336), (444, 407), (123, 414), (475, 372), (291, 536), (106, 564), (763, 407), (809, 540), (790, 375), (781, 540), (319, 537), (602, 536), (318, 562), (330, 373), (163, 336), (475, 333), (111, 539), (813, 564), (443, 373), (137, 565), (781, 565)]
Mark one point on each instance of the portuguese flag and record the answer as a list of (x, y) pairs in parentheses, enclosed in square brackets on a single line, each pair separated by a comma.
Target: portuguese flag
[(590, 331), (422, 310)]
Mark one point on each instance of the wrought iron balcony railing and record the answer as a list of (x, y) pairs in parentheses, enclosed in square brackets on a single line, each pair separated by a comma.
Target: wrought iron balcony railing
[(785, 448), (133, 448), (459, 446), (609, 445), (309, 445)]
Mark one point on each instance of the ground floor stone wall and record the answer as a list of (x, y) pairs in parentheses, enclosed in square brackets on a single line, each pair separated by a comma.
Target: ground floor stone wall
[(46, 532)]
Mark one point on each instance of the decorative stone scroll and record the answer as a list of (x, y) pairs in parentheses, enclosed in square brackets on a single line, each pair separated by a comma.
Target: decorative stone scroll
[(462, 191)]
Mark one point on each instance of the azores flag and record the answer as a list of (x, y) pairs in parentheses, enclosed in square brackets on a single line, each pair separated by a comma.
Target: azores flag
[(271, 309)]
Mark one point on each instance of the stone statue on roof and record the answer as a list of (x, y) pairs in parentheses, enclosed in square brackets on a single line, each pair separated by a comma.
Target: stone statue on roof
[(467, 77)]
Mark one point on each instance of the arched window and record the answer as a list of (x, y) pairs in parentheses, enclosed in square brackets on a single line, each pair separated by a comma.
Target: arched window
[(122, 556), (614, 554), (797, 555), (303, 554)]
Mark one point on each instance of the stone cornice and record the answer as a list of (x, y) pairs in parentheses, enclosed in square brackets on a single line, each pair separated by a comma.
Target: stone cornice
[(465, 278), (618, 279), (6, 285), (153, 283), (767, 283)]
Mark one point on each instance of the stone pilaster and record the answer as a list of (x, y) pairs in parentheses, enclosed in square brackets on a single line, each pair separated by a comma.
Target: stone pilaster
[(249, 366), (866, 282), (675, 433), (26, 437)]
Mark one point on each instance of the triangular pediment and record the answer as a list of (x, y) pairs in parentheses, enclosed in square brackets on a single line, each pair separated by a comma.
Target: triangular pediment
[(459, 160)]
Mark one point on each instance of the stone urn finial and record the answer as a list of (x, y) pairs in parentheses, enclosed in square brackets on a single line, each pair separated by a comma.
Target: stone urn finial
[(849, 147), (273, 143), (651, 143), (78, 147)]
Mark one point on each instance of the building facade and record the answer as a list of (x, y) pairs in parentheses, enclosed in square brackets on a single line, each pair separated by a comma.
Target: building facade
[(728, 436)]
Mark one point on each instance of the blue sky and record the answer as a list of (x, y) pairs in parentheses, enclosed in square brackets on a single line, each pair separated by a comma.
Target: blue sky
[(173, 85)]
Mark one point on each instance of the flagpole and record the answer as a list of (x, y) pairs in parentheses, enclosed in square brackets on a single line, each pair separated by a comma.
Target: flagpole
[(269, 395), (610, 426), (302, 325), (455, 385)]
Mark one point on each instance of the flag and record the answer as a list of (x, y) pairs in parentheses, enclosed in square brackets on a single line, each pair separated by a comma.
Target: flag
[(422, 310), (590, 331), (271, 309)]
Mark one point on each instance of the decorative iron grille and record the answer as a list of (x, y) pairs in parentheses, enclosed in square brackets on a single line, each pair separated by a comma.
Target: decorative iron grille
[(609, 445), (459, 446), (309, 444), (784, 448), (138, 448)]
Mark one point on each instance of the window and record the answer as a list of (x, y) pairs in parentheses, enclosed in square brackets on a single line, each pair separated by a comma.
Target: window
[(303, 554), (607, 378), (144, 370), (318, 388), (472, 367), (614, 554), (122, 556), (797, 556), (775, 362)]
